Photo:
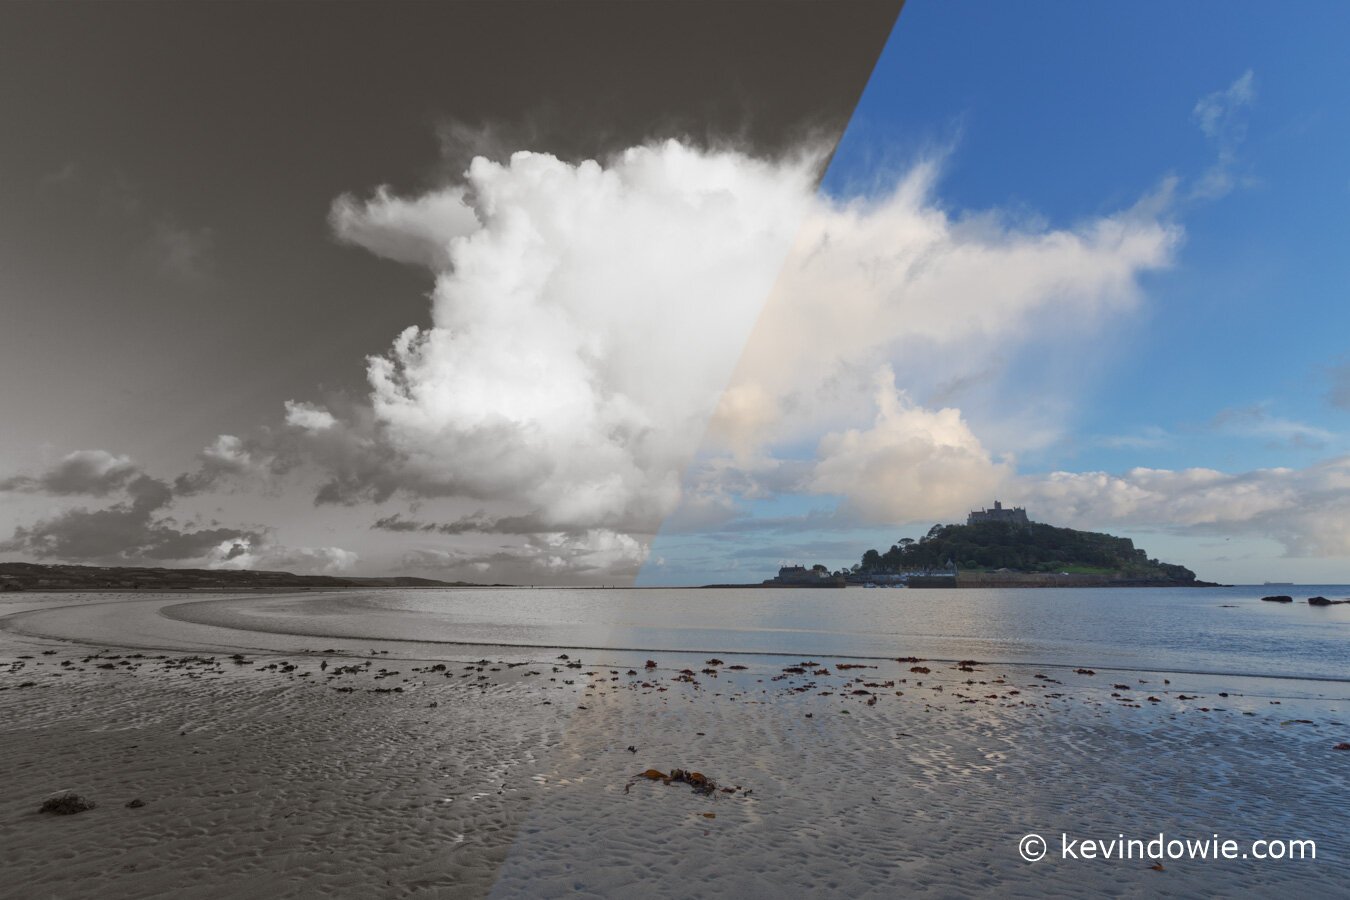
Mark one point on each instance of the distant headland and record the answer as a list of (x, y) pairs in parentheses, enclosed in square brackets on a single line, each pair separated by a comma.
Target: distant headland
[(1000, 547)]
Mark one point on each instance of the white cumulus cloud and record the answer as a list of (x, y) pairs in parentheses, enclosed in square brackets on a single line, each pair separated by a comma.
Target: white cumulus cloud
[(911, 464), (255, 552), (585, 320), (1306, 509)]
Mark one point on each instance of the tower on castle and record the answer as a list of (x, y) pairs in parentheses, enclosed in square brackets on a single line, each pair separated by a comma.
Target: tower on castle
[(1015, 516)]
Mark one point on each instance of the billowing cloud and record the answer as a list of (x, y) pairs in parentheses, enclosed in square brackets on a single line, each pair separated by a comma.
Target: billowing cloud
[(593, 322), (911, 464), (585, 320), (308, 417), (251, 551), (899, 281), (228, 456), (1307, 510)]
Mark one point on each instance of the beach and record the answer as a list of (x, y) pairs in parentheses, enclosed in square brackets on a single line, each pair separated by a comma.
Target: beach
[(290, 765)]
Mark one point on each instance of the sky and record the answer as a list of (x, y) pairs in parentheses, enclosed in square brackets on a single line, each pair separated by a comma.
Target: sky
[(673, 293), (1201, 409)]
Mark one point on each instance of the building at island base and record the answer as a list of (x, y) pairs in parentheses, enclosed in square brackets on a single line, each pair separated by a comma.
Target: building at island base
[(1015, 516), (800, 576)]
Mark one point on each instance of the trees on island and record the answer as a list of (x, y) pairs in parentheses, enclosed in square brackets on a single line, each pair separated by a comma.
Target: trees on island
[(1035, 547)]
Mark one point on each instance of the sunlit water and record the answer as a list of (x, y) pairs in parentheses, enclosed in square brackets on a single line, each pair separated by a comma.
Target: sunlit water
[(1212, 630)]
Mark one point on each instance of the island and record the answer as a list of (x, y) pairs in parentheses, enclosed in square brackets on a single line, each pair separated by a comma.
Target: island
[(1002, 547)]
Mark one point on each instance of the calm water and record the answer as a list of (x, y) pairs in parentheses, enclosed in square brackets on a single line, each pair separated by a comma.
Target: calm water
[(1218, 630)]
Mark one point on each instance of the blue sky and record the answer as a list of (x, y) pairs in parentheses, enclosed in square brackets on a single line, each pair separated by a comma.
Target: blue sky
[(1067, 110), (1054, 114)]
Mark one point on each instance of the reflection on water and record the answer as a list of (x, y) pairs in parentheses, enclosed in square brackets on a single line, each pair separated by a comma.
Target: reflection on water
[(1223, 630)]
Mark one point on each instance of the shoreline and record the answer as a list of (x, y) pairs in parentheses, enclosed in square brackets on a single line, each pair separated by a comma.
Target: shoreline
[(294, 772), (137, 630)]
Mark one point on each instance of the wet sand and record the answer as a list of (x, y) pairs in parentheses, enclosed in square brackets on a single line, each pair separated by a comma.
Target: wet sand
[(295, 766)]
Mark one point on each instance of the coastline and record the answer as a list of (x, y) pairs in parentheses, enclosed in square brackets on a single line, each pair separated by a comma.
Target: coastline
[(297, 771)]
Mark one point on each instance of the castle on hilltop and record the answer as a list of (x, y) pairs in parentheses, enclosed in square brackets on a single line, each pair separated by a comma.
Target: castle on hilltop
[(1015, 516)]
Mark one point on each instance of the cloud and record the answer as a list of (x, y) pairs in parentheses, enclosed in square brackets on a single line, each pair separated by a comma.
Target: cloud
[(308, 417), (592, 321), (132, 530), (594, 555), (253, 552), (94, 472), (1216, 113), (419, 230), (1149, 436), (137, 529), (1307, 510), (1256, 421), (1338, 395), (585, 319), (912, 463), (477, 523), (895, 290), (1222, 117), (897, 280), (180, 253), (228, 456)]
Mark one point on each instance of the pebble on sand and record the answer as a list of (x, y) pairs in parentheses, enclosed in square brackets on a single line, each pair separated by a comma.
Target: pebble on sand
[(66, 803)]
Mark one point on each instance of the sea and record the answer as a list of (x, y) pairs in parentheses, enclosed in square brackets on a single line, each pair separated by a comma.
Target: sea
[(1219, 630)]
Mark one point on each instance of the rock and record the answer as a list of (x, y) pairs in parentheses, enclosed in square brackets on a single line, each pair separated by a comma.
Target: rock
[(1278, 598), (66, 803), (1318, 601), (135, 804)]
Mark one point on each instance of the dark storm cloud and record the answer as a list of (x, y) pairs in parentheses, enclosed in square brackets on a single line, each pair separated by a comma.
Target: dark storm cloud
[(94, 472), (136, 528), (120, 533), (126, 531)]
